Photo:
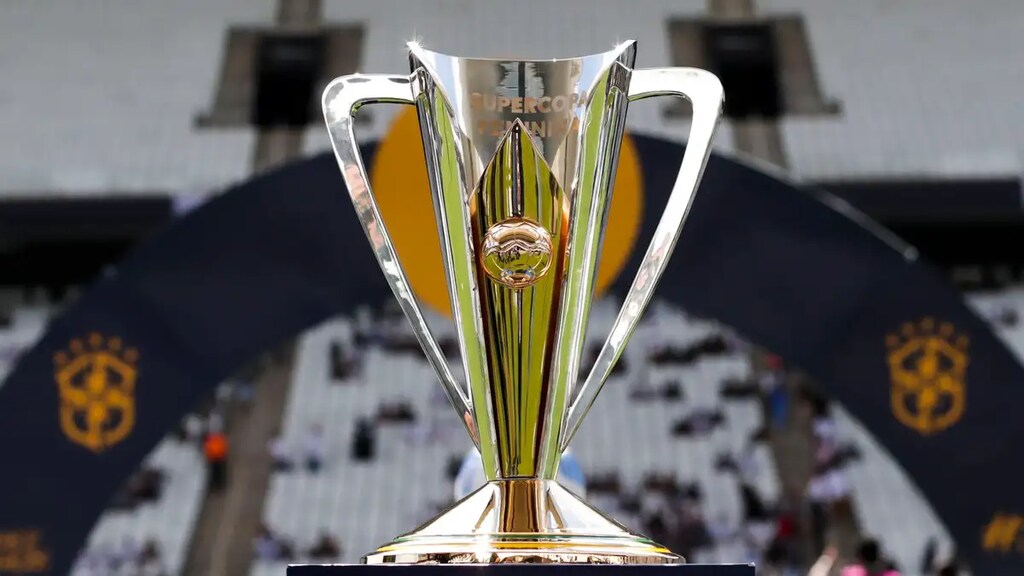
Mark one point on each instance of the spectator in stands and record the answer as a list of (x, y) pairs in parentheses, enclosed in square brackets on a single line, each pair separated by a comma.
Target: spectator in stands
[(778, 560), (660, 485), (143, 486), (929, 556), (745, 467), (128, 560), (193, 428), (641, 387), (754, 509), (270, 547), (314, 448), (700, 421), (870, 562), (278, 449), (672, 390), (265, 545), (823, 566), (773, 389), (930, 563), (344, 361), (148, 484), (215, 421), (327, 547), (400, 412), (818, 501), (656, 526), (605, 482), (215, 449), (688, 532), (825, 433), (149, 561), (787, 533), (758, 523), (364, 440), (1008, 317)]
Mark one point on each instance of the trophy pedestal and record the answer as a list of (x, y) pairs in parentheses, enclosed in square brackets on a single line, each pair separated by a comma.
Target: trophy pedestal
[(525, 570), (522, 521)]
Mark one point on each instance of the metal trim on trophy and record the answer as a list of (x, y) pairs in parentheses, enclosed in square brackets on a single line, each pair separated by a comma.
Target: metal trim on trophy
[(521, 157)]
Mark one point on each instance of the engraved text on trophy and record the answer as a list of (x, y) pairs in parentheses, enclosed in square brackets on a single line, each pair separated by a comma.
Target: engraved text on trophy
[(543, 116)]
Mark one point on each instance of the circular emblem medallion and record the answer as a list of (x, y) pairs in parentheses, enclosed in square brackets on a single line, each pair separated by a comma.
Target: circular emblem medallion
[(516, 252)]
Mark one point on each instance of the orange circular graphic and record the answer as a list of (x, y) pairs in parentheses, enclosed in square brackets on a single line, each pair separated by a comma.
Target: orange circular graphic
[(400, 185)]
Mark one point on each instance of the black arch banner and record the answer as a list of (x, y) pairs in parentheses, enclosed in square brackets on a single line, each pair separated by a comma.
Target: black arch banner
[(283, 252)]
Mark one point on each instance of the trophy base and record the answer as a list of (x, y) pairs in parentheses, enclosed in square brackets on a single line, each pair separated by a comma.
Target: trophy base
[(522, 521)]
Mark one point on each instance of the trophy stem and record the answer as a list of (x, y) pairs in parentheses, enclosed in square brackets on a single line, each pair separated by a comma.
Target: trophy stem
[(522, 520)]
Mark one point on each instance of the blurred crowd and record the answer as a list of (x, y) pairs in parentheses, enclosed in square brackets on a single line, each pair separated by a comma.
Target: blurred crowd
[(130, 558), (269, 546), (784, 534)]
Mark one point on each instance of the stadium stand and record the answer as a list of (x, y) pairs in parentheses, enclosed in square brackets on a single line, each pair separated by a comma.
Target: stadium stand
[(652, 449), (887, 504), (365, 503), (887, 126), (24, 326), (976, 138), (501, 26), (120, 82), (895, 123), (362, 502), (1003, 310), (120, 539)]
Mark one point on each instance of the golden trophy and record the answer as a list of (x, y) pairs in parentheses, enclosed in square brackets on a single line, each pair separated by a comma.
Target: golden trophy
[(521, 158)]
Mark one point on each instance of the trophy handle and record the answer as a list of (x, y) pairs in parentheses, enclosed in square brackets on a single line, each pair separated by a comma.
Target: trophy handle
[(704, 91), (341, 99)]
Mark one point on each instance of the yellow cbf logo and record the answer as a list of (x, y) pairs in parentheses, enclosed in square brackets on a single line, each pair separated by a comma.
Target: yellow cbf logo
[(1004, 534), (96, 379), (927, 367), (21, 552)]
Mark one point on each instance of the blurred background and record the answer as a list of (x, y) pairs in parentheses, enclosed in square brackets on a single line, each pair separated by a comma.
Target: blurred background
[(117, 117)]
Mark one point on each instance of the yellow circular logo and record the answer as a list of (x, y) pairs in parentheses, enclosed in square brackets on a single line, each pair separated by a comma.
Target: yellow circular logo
[(399, 182)]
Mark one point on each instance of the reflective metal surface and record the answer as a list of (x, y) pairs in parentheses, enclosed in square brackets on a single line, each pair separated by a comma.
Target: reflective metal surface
[(521, 159), (341, 99), (521, 139), (522, 521), (706, 96)]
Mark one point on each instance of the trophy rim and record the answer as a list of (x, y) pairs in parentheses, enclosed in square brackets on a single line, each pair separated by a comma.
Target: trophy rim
[(415, 49)]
